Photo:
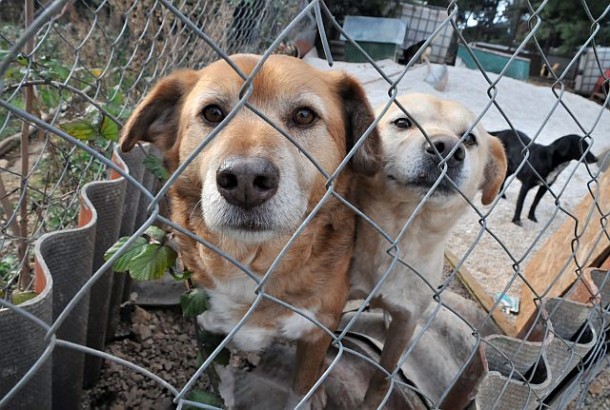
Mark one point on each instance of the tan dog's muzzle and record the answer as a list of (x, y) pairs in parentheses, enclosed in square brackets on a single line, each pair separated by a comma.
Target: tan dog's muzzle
[(445, 146)]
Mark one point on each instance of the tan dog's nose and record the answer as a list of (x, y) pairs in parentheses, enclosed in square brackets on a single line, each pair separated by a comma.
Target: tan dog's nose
[(247, 182), (444, 145)]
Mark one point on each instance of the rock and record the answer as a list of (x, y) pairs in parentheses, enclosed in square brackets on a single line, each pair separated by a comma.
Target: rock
[(163, 403), (254, 358), (133, 397), (142, 332), (596, 387), (113, 367), (140, 315), (169, 351)]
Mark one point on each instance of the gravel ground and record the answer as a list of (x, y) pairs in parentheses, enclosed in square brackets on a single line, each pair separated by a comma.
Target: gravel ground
[(597, 396), (160, 340)]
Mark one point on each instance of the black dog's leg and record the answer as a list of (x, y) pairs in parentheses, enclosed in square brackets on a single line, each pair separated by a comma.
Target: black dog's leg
[(522, 194), (502, 189), (532, 214)]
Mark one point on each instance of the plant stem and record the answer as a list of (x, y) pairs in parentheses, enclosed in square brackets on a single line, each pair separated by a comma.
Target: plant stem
[(8, 210), (24, 275), (211, 371)]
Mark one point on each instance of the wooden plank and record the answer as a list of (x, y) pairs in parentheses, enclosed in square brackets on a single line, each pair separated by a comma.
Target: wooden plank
[(555, 256), (606, 263), (584, 290), (485, 300)]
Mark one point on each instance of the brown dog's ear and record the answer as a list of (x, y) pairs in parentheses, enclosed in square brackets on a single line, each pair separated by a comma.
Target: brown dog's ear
[(155, 119), (358, 116), (495, 170)]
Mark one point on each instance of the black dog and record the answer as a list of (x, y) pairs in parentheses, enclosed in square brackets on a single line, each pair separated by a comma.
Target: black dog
[(545, 161)]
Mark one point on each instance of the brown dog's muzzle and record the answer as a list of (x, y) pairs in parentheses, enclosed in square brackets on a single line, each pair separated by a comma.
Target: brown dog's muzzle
[(247, 182)]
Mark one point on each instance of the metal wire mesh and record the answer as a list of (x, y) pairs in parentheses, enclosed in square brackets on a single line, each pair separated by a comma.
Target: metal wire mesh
[(70, 80), (422, 22)]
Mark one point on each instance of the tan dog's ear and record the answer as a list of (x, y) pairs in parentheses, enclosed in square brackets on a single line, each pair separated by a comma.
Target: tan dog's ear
[(155, 119), (358, 116), (495, 170)]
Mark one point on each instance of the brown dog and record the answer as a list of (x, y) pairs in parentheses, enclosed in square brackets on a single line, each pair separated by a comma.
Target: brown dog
[(250, 188), (411, 169)]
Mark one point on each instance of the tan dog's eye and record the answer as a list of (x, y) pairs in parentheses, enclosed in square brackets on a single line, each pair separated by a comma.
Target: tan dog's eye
[(213, 114), (303, 117), (470, 140), (403, 123)]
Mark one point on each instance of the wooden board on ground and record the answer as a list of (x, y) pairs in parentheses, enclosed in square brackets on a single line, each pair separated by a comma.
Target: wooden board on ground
[(606, 263), (484, 299), (553, 268)]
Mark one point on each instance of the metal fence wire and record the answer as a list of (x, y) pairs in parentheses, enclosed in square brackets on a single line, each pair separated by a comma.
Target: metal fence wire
[(72, 75)]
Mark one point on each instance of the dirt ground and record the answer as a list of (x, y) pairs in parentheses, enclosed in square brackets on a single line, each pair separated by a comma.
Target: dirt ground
[(160, 340), (597, 396)]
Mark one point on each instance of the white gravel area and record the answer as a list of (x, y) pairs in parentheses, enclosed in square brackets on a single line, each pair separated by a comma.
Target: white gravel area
[(530, 108)]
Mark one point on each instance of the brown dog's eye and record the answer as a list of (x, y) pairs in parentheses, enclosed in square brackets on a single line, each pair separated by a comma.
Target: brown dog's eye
[(303, 117), (403, 123), (213, 114), (470, 140)]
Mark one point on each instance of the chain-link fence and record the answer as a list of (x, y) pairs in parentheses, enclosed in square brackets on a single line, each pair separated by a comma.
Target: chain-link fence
[(516, 320)]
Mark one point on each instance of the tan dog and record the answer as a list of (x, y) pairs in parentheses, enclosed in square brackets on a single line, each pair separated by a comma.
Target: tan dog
[(249, 190), (476, 162)]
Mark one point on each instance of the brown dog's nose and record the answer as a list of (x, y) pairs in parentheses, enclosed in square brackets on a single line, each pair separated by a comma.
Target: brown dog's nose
[(444, 145), (247, 182)]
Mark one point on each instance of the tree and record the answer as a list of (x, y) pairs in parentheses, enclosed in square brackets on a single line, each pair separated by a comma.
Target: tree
[(483, 11), (567, 25)]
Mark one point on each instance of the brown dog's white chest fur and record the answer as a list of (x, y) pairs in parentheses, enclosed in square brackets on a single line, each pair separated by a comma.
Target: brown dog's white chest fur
[(246, 186)]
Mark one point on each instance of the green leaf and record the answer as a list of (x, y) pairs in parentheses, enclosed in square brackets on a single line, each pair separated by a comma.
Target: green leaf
[(143, 260), (155, 233), (184, 275), (199, 359), (22, 60), (96, 72), (18, 298), (109, 129), (81, 130), (115, 100), (13, 73), (49, 97), (154, 165), (122, 263), (152, 262), (123, 114), (205, 397), (194, 302), (210, 341), (8, 266), (56, 71)]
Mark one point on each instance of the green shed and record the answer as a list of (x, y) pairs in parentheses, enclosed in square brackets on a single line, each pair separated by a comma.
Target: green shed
[(379, 37), (495, 61)]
